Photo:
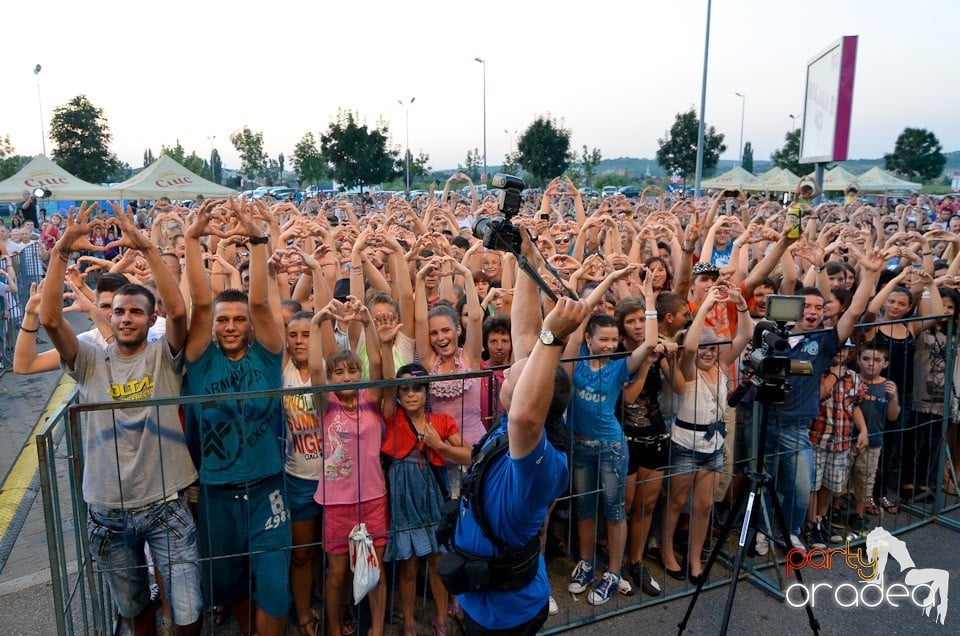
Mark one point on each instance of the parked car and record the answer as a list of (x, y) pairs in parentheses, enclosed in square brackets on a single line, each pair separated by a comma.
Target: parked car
[(609, 191), (282, 193), (589, 193), (631, 192)]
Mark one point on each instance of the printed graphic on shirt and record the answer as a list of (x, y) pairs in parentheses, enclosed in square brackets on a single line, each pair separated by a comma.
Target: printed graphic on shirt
[(339, 465), (302, 421), (141, 389)]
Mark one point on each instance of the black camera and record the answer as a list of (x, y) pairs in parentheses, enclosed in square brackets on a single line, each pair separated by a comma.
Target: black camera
[(499, 233), (767, 365)]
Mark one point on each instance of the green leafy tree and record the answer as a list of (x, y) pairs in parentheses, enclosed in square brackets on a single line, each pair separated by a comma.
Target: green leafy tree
[(677, 153), (788, 157), (147, 157), (191, 162), (511, 163), (611, 179), (308, 161), (121, 172), (9, 161), (253, 160), (358, 155), (917, 154), (419, 165), (544, 149), (473, 166), (747, 157), (281, 162), (82, 137)]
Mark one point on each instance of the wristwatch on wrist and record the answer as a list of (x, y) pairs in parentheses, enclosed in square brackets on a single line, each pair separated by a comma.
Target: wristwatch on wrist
[(547, 338)]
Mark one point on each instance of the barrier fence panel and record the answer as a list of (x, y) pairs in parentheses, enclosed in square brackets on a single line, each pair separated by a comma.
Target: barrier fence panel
[(620, 499)]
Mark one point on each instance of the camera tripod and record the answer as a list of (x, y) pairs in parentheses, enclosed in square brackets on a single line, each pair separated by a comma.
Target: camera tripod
[(760, 482)]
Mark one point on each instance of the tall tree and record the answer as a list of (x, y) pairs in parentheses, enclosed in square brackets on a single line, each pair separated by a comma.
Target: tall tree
[(82, 137), (9, 161), (216, 166), (677, 153), (253, 160), (308, 162), (147, 157), (917, 154), (747, 157), (544, 148), (419, 166), (511, 163), (788, 157), (589, 160), (474, 165), (281, 161), (357, 154)]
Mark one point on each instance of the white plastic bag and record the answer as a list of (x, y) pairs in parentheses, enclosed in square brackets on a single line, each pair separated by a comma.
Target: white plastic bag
[(363, 562)]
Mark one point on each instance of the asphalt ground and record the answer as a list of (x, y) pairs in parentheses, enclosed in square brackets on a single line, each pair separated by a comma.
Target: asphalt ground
[(26, 601)]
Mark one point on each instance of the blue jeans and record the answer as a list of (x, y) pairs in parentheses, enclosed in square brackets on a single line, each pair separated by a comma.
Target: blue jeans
[(789, 460), (116, 544), (603, 466)]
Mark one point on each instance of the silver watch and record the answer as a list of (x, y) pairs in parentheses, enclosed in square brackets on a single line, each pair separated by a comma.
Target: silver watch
[(547, 338)]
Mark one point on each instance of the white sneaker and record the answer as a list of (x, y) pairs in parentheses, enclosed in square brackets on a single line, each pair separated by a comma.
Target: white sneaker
[(762, 546), (797, 543), (553, 609)]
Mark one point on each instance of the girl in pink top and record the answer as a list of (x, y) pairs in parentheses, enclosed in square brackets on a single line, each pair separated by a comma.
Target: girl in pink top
[(351, 488)]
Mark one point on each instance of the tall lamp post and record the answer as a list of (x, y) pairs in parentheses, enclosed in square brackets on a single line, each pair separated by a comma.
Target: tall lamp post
[(406, 111), (793, 120), (484, 63), (511, 135), (43, 134), (703, 107), (743, 109)]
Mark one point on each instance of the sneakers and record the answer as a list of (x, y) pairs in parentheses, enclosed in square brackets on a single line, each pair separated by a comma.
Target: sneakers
[(796, 543), (553, 609), (604, 589), (643, 580), (858, 525), (762, 545), (815, 534), (653, 547), (624, 587), (581, 578)]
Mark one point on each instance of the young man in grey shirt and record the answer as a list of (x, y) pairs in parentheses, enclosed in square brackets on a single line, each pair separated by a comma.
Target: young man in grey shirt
[(136, 461)]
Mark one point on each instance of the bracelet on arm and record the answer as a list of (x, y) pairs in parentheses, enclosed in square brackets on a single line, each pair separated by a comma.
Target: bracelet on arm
[(258, 240), (684, 248), (22, 328), (60, 253)]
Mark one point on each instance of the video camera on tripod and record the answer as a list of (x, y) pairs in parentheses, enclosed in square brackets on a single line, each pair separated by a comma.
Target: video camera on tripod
[(767, 366)]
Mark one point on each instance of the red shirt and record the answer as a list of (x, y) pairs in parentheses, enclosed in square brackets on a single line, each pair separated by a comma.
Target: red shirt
[(399, 440)]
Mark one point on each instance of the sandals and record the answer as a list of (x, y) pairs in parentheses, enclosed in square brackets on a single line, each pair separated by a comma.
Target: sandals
[(440, 627), (871, 508), (312, 626), (889, 507), (348, 623)]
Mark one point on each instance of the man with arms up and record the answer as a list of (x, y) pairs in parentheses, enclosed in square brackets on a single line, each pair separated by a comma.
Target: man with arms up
[(236, 345), (136, 462)]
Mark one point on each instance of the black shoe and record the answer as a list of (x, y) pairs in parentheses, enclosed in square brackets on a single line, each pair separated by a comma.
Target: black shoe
[(675, 574), (697, 579), (642, 579)]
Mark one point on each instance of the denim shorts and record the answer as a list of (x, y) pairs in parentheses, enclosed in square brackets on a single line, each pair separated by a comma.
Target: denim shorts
[(245, 532), (600, 466), (116, 541), (684, 461), (300, 492)]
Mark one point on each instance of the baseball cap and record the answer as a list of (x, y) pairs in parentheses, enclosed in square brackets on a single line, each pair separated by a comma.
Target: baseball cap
[(707, 268)]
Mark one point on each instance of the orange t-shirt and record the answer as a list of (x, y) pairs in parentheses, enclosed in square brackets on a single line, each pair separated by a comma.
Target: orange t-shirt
[(399, 439)]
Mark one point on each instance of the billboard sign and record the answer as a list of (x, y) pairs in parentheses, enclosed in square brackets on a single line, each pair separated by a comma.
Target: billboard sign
[(828, 102)]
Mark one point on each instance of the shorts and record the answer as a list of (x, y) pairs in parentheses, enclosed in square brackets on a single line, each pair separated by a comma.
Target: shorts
[(340, 519), (600, 466), (117, 539), (300, 492), (253, 522), (684, 461), (831, 469), (863, 471), (653, 453)]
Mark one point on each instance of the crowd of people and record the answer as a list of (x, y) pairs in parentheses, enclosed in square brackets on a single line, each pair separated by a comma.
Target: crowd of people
[(252, 296)]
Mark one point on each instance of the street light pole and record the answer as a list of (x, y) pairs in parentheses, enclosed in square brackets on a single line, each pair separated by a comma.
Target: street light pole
[(484, 63), (510, 135), (793, 120), (743, 109), (703, 106), (406, 110), (43, 134)]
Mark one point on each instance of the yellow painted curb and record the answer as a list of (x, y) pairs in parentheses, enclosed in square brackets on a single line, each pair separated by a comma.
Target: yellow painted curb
[(25, 467)]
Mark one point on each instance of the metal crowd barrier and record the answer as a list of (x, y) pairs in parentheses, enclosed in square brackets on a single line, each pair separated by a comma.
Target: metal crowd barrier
[(83, 604), (27, 267)]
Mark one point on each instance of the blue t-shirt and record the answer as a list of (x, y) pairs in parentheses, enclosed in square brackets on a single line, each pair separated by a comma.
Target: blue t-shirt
[(803, 399), (516, 494), (234, 442), (721, 258), (593, 404), (874, 408)]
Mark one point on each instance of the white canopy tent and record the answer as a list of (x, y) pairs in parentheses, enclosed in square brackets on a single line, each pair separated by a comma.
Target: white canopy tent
[(42, 172), (167, 178), (877, 180), (837, 178), (776, 180), (735, 178)]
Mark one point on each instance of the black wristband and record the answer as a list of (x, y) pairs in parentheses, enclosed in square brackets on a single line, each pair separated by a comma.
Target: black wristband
[(22, 328), (258, 240)]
